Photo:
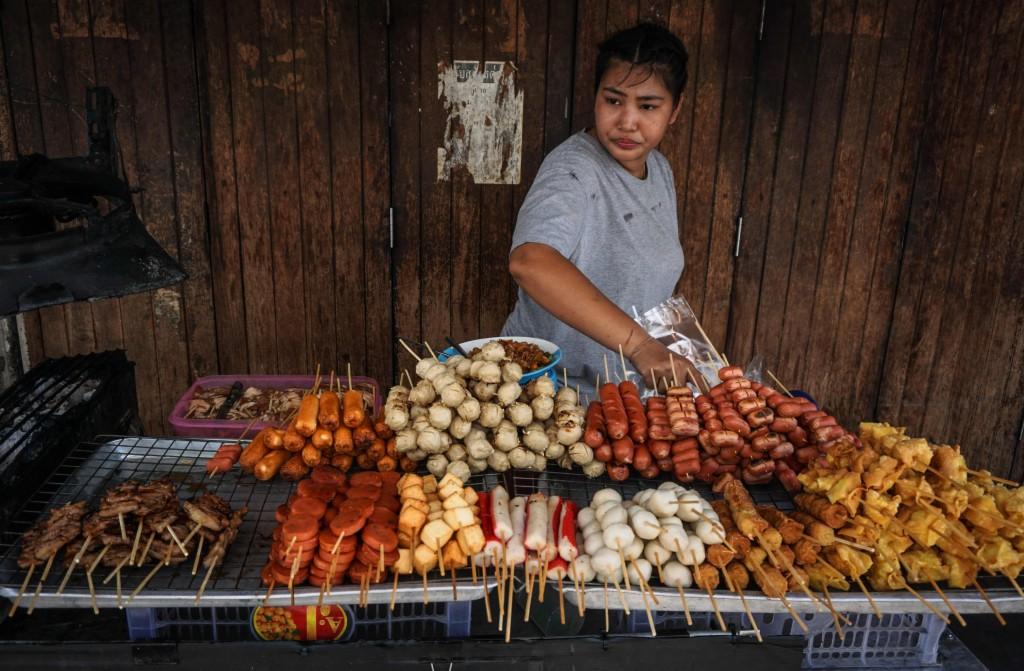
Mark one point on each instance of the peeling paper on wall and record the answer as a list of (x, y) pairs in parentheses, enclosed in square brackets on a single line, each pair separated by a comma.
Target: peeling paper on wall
[(484, 126)]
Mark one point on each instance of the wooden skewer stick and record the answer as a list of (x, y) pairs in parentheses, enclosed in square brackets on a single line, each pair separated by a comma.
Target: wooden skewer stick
[(135, 545), (192, 533), (622, 358), (124, 532), (92, 592), (644, 585), (291, 576), (169, 529), (145, 551), (561, 601), (501, 588), (607, 375), (487, 591), (270, 590), (858, 546), (672, 363), (510, 579), (835, 615), (21, 592), (529, 590), (928, 604), (622, 598), (714, 605), (425, 594), (542, 582), (455, 590), (1013, 581), (743, 600), (440, 563), (779, 383), (625, 573), (74, 562), (647, 608), (116, 571), (993, 478), (117, 588), (718, 356), (394, 591), (409, 350), (874, 606), (607, 625), (984, 595), (432, 352), (199, 553), (686, 607), (952, 609), (472, 568), (149, 576)]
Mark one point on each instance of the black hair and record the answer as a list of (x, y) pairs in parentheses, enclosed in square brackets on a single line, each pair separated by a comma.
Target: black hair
[(647, 45)]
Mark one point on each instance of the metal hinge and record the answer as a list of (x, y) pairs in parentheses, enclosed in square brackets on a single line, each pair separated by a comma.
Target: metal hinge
[(739, 236), (760, 30), (391, 228)]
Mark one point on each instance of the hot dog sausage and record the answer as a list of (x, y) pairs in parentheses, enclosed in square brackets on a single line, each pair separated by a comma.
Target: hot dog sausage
[(614, 411), (634, 411), (594, 436)]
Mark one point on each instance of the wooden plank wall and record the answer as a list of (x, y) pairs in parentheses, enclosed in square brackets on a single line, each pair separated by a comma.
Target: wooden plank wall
[(872, 147)]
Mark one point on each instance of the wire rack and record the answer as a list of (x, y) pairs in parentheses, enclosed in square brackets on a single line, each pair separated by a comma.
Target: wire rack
[(91, 468)]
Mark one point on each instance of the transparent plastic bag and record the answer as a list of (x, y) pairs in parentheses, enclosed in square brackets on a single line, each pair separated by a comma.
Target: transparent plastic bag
[(674, 324)]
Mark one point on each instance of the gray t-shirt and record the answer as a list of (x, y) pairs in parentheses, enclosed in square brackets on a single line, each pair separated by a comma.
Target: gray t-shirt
[(620, 231)]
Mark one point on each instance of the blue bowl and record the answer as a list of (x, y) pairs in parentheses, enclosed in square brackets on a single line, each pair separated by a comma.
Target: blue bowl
[(546, 345)]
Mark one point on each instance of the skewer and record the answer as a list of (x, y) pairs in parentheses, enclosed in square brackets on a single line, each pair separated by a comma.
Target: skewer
[(117, 570), (199, 552), (561, 602), (135, 545), (432, 353), (117, 588), (686, 607), (1013, 581), (644, 585), (510, 579), (583, 596), (394, 591), (700, 328), (472, 569), (607, 626), (409, 350), (672, 362), (622, 358), (949, 604), (984, 595), (145, 551), (843, 541), (625, 573), (622, 598), (92, 592), (501, 589), (455, 590), (993, 478), (21, 592), (425, 595), (725, 359), (785, 602), (714, 604), (778, 383), (487, 592), (746, 608), (607, 375), (149, 576), (647, 608), (835, 615), (927, 604), (654, 381), (529, 590), (124, 532), (380, 563), (174, 536), (270, 590), (74, 562), (874, 606), (440, 563), (542, 582), (291, 575)]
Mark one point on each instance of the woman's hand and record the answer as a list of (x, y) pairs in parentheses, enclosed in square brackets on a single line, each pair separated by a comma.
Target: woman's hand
[(650, 355)]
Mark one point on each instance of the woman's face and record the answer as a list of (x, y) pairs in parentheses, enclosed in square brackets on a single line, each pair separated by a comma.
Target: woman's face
[(632, 111)]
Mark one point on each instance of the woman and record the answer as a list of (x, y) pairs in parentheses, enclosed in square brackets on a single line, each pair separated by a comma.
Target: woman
[(597, 235)]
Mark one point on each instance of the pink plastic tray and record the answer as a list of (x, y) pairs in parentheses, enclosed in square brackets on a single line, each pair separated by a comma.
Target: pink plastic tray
[(222, 428)]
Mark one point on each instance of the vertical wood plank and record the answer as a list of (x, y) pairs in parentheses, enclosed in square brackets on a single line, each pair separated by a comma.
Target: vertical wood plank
[(279, 86), (558, 79), (591, 18), (814, 187), (437, 28), (373, 53), (193, 230), (732, 150), (314, 142), (246, 56), (216, 93), (343, 59), (409, 58), (709, 74), (654, 11), (825, 300), (622, 14), (757, 193)]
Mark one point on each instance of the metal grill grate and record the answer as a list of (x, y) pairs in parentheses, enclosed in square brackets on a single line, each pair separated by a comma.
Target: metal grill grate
[(91, 468)]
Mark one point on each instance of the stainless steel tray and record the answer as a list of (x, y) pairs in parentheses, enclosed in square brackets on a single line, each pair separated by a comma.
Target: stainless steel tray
[(93, 467)]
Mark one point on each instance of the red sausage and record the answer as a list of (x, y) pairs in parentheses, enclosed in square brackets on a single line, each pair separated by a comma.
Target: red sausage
[(827, 433), (614, 411), (730, 372), (789, 408), (622, 450), (781, 451), (618, 472), (798, 437), (784, 424), (603, 452), (634, 411), (822, 422), (642, 459), (594, 434), (660, 449)]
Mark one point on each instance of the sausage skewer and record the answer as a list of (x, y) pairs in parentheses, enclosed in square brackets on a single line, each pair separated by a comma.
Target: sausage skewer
[(733, 587), (508, 601), (199, 553)]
